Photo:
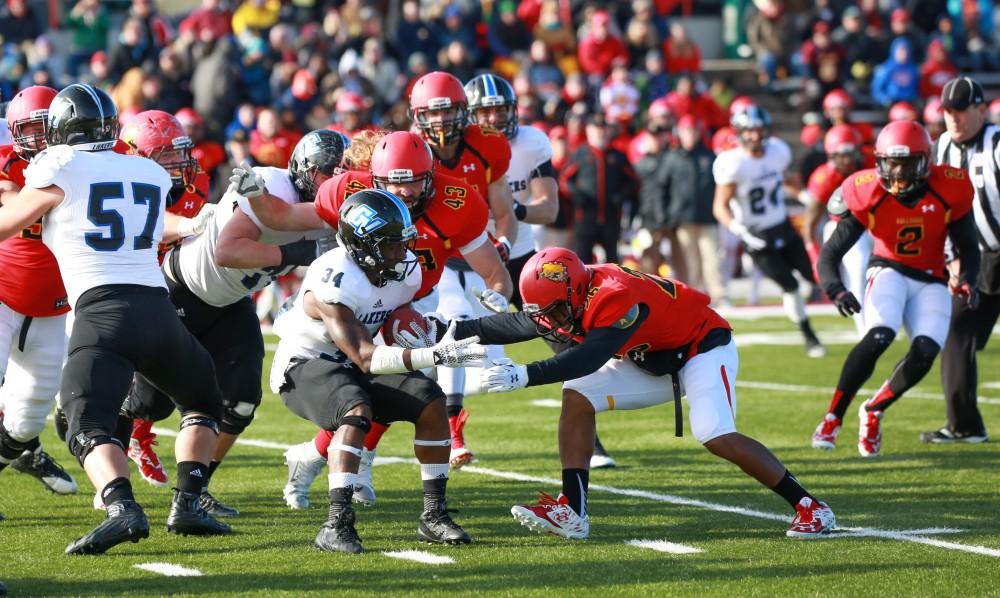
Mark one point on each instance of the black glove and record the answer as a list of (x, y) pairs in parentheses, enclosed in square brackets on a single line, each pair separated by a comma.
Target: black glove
[(847, 304), (966, 290), (299, 253)]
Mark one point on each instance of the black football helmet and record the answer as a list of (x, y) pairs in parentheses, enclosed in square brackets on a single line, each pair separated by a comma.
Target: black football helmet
[(752, 117), (489, 90), (319, 151), (82, 116), (376, 230)]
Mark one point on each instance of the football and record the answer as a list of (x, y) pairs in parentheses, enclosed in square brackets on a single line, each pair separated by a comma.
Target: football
[(406, 316)]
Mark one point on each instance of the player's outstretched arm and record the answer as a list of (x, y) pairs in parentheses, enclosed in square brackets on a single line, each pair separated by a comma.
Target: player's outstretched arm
[(485, 261), (25, 208), (239, 246)]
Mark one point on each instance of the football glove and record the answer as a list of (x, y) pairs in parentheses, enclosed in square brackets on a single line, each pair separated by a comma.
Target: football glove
[(246, 182), (504, 376), (847, 304), (416, 337), (492, 300), (966, 290), (457, 354), (752, 241)]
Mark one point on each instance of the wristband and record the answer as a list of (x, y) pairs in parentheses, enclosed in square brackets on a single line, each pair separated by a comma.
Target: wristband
[(520, 210)]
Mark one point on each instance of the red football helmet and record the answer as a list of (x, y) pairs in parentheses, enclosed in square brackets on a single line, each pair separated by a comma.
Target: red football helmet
[(159, 136), (837, 98), (350, 102), (29, 107), (192, 122), (902, 111), (995, 110), (553, 286), (439, 92), (403, 157), (902, 157), (932, 112), (739, 104), (842, 145)]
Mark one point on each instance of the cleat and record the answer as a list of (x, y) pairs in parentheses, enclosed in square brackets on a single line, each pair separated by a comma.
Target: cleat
[(189, 519), (304, 466), (338, 534), (815, 349), (946, 436), (869, 432), (140, 450), (40, 465), (124, 522), (364, 488), (552, 516), (437, 527), (812, 520), (825, 436), (460, 455), (213, 507), (602, 461)]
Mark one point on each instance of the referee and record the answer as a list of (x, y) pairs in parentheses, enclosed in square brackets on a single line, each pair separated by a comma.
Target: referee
[(972, 144)]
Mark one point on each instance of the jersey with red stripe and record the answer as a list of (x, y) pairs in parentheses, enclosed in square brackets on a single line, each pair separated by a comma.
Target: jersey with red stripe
[(483, 156), (31, 285), (453, 218), (679, 316), (911, 235), (187, 206)]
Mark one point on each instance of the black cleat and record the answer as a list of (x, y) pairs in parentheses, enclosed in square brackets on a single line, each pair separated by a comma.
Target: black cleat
[(189, 519), (213, 507), (438, 528), (40, 465), (124, 521), (946, 436), (338, 534)]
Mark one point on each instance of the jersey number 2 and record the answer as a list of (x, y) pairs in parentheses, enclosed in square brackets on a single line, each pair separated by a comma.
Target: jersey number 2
[(909, 239), (114, 237)]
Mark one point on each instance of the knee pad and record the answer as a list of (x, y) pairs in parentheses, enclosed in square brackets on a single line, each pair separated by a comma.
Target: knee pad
[(123, 429), (11, 448), (877, 340), (358, 421), (82, 443), (200, 420), (236, 416), (923, 352)]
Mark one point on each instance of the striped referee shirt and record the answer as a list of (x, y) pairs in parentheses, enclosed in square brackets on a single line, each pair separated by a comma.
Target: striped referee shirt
[(980, 157)]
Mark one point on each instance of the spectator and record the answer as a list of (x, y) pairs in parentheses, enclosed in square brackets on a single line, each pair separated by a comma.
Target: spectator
[(351, 114), (653, 82), (209, 154), (454, 27), (599, 48), (99, 75), (619, 97), (900, 26), (656, 215), (925, 13), (127, 94), (254, 71), (994, 115), (132, 50), (244, 121), (982, 54), (933, 118), (414, 35), (953, 41), (825, 62), (176, 79), (659, 123), (383, 72), (861, 47), (560, 232), (42, 65), (455, 59), (270, 144), (896, 79), (88, 23), (157, 29), (18, 23), (507, 35), (255, 16), (771, 34), (237, 151), (680, 53), (545, 77), (902, 111), (936, 70), (641, 35), (685, 99), (553, 29), (300, 97), (213, 82), (206, 23), (600, 182)]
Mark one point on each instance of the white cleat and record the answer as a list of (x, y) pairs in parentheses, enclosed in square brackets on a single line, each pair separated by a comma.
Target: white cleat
[(602, 461), (304, 466), (813, 519), (364, 488), (552, 516)]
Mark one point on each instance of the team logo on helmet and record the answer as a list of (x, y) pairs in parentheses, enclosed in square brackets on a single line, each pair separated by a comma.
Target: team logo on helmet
[(365, 220), (554, 271)]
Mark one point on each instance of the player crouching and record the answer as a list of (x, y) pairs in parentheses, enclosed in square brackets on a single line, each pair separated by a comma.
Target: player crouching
[(328, 370)]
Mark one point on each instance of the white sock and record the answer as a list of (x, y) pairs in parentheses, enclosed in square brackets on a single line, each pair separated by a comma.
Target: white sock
[(342, 479), (433, 471)]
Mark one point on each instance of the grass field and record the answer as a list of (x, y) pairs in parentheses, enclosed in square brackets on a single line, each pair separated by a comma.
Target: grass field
[(920, 520)]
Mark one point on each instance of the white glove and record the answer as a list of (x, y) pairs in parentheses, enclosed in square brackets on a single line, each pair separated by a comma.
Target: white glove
[(452, 353), (752, 241), (504, 376), (492, 300), (246, 182), (415, 337), (189, 227)]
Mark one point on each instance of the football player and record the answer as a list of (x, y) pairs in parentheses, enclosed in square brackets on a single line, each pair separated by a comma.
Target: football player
[(211, 276), (750, 202), (842, 145), (635, 336), (328, 370), (115, 288), (451, 219), (33, 308), (910, 207)]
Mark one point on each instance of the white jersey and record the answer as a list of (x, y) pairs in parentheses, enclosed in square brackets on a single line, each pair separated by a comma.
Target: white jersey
[(528, 150), (110, 222), (220, 286), (5, 138), (335, 278), (759, 203)]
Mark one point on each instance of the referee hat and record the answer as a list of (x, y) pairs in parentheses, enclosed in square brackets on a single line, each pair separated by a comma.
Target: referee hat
[(962, 92)]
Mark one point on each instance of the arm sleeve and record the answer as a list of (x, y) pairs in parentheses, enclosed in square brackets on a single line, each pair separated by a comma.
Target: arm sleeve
[(848, 231), (499, 329), (965, 245), (544, 169)]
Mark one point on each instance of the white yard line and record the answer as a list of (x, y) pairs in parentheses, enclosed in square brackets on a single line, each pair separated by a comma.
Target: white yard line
[(169, 570), (420, 556), (664, 546), (552, 403)]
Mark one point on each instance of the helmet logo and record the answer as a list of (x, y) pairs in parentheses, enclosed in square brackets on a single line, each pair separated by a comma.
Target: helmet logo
[(365, 220), (182, 142), (40, 113), (554, 271), (897, 150), (438, 103), (493, 101), (400, 175)]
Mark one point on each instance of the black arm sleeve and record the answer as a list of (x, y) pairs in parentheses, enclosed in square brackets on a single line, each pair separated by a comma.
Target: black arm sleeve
[(964, 238), (543, 170), (499, 329), (848, 231)]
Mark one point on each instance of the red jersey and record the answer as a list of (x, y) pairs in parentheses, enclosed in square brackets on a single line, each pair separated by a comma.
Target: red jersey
[(823, 182), (187, 206), (31, 283), (679, 316), (209, 154), (912, 236), (454, 217), (483, 156)]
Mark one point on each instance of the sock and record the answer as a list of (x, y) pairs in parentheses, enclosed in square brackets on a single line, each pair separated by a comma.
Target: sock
[(857, 369), (574, 488), (117, 489), (374, 435), (911, 369), (807, 331), (791, 490), (340, 501), (212, 466), (192, 476), (882, 399), (322, 442), (342, 479), (454, 404)]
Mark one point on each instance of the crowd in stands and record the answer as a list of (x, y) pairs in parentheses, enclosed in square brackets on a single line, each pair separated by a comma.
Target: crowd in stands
[(617, 83)]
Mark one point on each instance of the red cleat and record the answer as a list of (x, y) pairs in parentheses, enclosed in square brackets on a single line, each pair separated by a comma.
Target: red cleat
[(140, 450), (460, 455)]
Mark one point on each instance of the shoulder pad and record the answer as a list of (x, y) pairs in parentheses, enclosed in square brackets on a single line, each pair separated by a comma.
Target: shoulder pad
[(837, 206), (45, 166), (627, 320)]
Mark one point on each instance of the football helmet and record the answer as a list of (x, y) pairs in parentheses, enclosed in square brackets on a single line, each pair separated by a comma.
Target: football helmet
[(350, 102), (933, 114), (376, 230), (842, 145), (902, 111), (488, 91), (553, 286), (159, 136), (318, 152), (739, 104), (30, 105), (403, 157), (837, 98), (752, 118), (82, 116), (902, 157), (439, 92)]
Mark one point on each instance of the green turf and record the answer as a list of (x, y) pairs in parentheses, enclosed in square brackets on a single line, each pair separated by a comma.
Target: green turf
[(912, 487)]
